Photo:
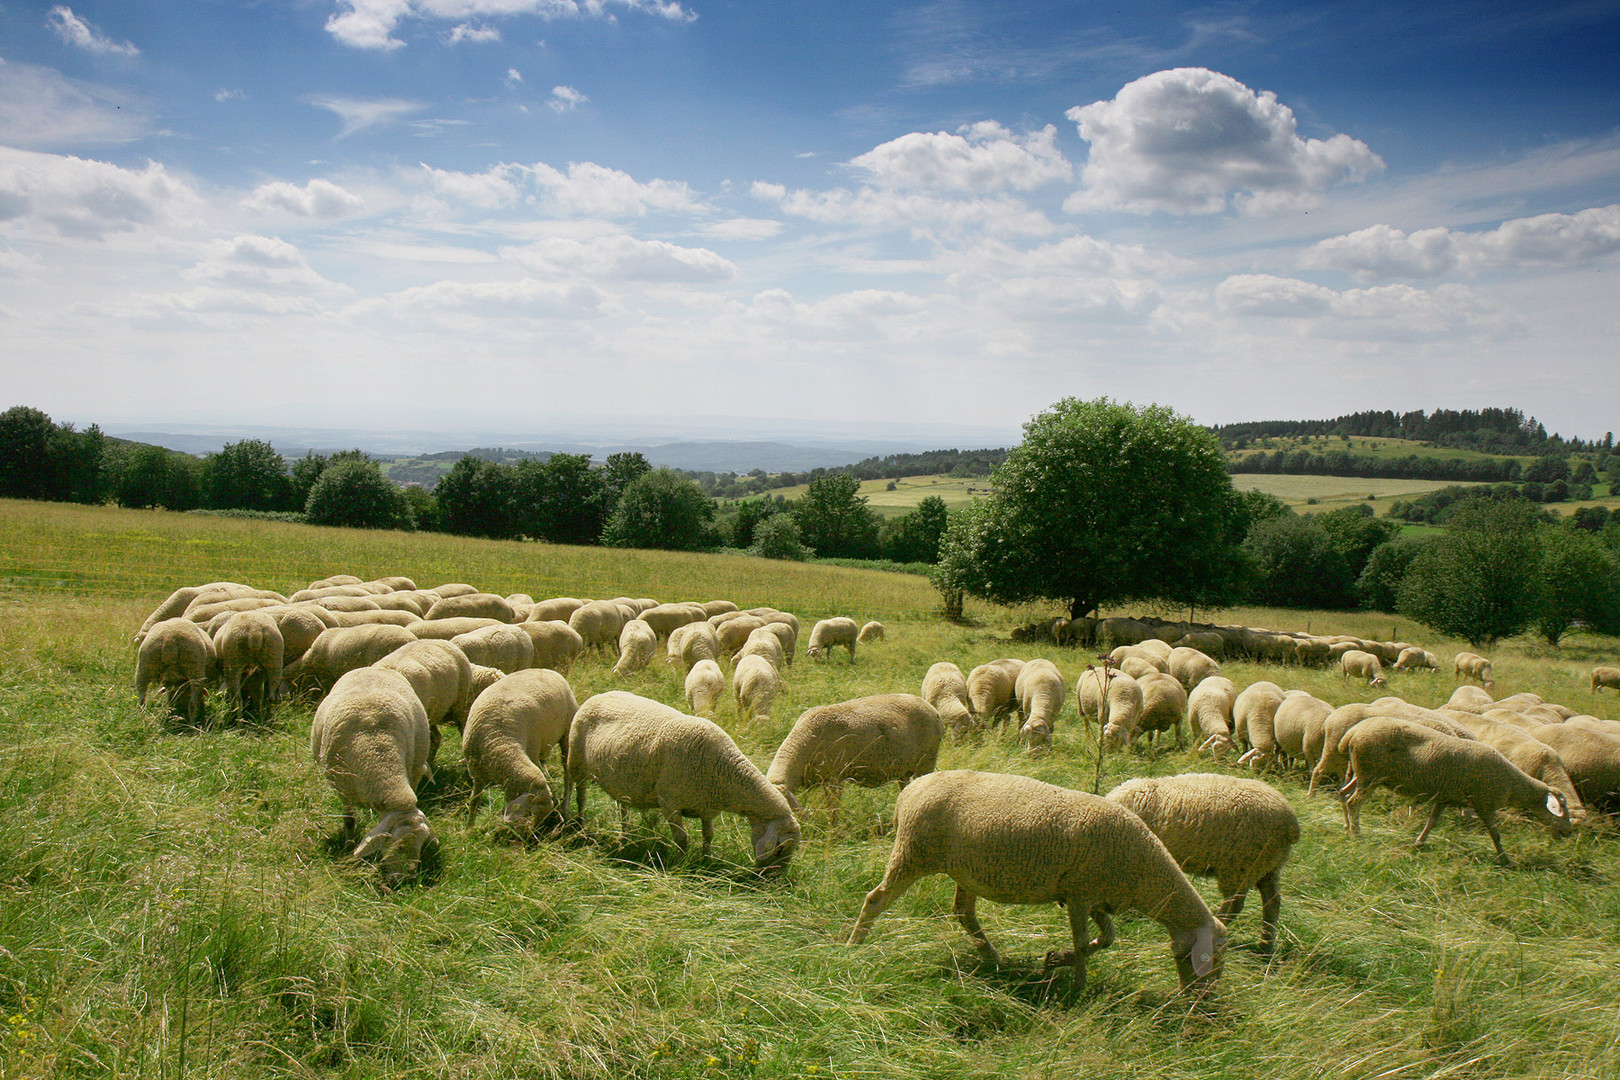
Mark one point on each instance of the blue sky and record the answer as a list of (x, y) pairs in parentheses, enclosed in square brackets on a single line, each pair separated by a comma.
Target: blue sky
[(450, 213)]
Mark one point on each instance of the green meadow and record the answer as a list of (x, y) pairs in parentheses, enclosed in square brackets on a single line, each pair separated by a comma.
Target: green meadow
[(175, 903)]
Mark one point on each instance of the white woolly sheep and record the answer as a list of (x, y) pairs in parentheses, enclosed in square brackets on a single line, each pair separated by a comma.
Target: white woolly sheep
[(763, 643), (1469, 665), (755, 682), (503, 646), (1142, 655), (1358, 664), (693, 642), (872, 631), (1331, 761), (1191, 667), (176, 603), (556, 609), (945, 688), (448, 629), (1254, 712), (370, 738), (1121, 712), (178, 656), (868, 741), (1209, 711), (647, 756), (705, 683), (1016, 840), (666, 617), (340, 650), (829, 633), (1592, 759), (733, 633), (1295, 725), (556, 644), (369, 618), (598, 623), (511, 729), (637, 644), (715, 607), (1530, 754), (1164, 706), (1469, 698), (1416, 659), (442, 678), (993, 688), (1040, 690), (453, 588), (1605, 677), (786, 633), (250, 650), (1418, 761), (1236, 830)]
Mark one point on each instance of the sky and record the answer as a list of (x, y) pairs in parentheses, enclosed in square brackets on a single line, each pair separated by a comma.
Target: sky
[(719, 214)]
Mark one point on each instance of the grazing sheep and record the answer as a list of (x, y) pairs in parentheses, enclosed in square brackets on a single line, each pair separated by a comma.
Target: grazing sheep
[(453, 588), (370, 738), (693, 642), (1122, 711), (1469, 665), (786, 634), (379, 615), (1296, 725), (1469, 699), (647, 756), (1312, 652), (1121, 631), (176, 603), (715, 607), (1040, 690), (442, 678), (733, 633), (666, 617), (1605, 676), (831, 632), (1020, 841), (1416, 659), (446, 629), (637, 644), (872, 631), (868, 741), (1418, 761), (202, 613), (993, 688), (598, 623), (345, 604), (1357, 664), (763, 643), (1141, 654), (755, 682), (502, 646), (946, 690), (511, 729), (705, 683), (298, 626), (177, 655), (1191, 667), (1236, 830), (1209, 642), (250, 650), (1164, 706), (1532, 755), (1074, 631), (1593, 723), (556, 644), (1209, 711), (343, 649), (1254, 714), (1592, 759), (556, 609)]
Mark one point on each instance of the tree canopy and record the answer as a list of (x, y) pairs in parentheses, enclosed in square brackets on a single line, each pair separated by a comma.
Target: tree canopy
[(662, 509), (1477, 581)]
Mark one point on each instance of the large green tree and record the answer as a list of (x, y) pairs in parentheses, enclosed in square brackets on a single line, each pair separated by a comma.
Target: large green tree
[(1102, 503), (1294, 562), (357, 494), (915, 537), (25, 463), (1477, 581), (248, 475), (662, 509), (1577, 580), (834, 520)]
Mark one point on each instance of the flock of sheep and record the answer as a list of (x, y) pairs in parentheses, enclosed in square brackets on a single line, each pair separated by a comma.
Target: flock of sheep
[(391, 663)]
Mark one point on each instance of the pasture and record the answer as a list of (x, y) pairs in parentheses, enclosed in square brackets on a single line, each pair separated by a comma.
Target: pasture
[(1372, 446), (174, 903), (1315, 494)]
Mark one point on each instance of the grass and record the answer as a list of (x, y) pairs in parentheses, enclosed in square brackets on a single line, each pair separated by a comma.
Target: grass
[(1372, 446), (908, 491), (1332, 492), (174, 903)]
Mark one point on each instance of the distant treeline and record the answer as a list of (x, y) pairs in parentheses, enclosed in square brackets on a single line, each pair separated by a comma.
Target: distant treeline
[(958, 463), (1489, 431), (1344, 463)]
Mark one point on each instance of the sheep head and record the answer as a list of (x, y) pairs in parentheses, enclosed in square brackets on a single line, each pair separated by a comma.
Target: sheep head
[(398, 837)]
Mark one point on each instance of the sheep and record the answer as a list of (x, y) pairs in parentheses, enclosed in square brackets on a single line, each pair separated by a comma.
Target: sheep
[(556, 609), (370, 738), (1254, 714), (176, 603), (1211, 643), (755, 682), (666, 617), (177, 655), (598, 623), (506, 647), (693, 642), (1416, 659), (872, 631), (1593, 723), (340, 650), (1530, 754), (1191, 667), (453, 588), (786, 634), (1592, 759), (1073, 631), (202, 613), (1295, 726), (637, 643), (1122, 710), (1040, 690), (1145, 656), (1209, 711), (764, 644), (1017, 840), (646, 755), (1357, 664), (946, 690), (1605, 677), (379, 615), (556, 644), (1415, 760), (1164, 706), (1236, 830), (733, 633), (1157, 648), (992, 688), (298, 626), (334, 581), (510, 731), (830, 632), (704, 685), (442, 678), (1121, 631), (715, 607), (869, 741), (445, 629), (345, 604), (250, 651), (1469, 698), (1312, 652), (1469, 665)]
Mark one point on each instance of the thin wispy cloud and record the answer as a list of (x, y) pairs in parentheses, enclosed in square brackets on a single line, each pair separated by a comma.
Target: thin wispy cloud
[(81, 35), (358, 115), (371, 24), (566, 99)]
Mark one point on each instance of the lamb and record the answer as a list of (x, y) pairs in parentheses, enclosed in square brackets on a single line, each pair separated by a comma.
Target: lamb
[(946, 690), (1191, 667), (343, 649), (556, 644), (1040, 689), (646, 756), (869, 741), (1209, 711), (503, 646), (755, 683), (872, 631), (1123, 711), (250, 650), (1164, 706), (1473, 666), (992, 688), (693, 642), (830, 632), (1605, 677), (177, 655), (511, 729), (704, 685), (1020, 841), (1236, 830), (637, 643), (441, 677), (370, 738), (1357, 664), (1415, 760)]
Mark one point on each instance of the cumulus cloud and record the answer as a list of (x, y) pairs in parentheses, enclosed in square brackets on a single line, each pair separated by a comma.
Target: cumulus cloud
[(742, 229), (527, 298), (358, 114), (1191, 141), (87, 198), (41, 109), (474, 33), (514, 77), (1544, 240), (566, 98), (316, 199), (80, 34), (370, 24), (260, 262), (1386, 311), (854, 316), (586, 189), (622, 258), (874, 207), (978, 159)]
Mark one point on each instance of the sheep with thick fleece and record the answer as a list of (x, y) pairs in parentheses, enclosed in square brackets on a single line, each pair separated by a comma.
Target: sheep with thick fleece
[(993, 688), (554, 609), (755, 682), (176, 603), (1236, 830), (370, 737), (442, 677), (1142, 655), (1358, 664), (1413, 658), (250, 650), (501, 646), (1331, 760), (1469, 698), (764, 644), (1209, 712), (1295, 725), (1016, 840), (733, 633), (511, 729), (1121, 711), (647, 756), (693, 642), (1530, 754), (946, 689), (1040, 689), (872, 631), (1469, 665), (869, 741), (598, 623), (178, 656), (340, 650), (1254, 713), (1191, 667), (1592, 759), (556, 644), (379, 615), (705, 684), (1605, 677), (786, 633), (1164, 706), (666, 617), (637, 644), (828, 633), (446, 629)]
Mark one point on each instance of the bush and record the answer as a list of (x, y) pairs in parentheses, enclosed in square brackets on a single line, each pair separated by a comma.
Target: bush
[(356, 494), (777, 537), (1478, 580), (1294, 561), (662, 509)]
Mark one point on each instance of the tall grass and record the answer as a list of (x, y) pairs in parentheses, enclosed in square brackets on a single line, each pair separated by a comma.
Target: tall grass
[(176, 903)]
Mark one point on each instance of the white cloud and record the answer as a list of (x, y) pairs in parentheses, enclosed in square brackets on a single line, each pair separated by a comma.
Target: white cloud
[(474, 33), (586, 189), (1191, 140), (80, 34), (357, 114), (979, 159), (86, 198), (514, 77), (566, 98), (1384, 312), (528, 298), (370, 24), (259, 262), (223, 95), (316, 199), (872, 207), (622, 258), (41, 109), (1543, 240), (741, 229)]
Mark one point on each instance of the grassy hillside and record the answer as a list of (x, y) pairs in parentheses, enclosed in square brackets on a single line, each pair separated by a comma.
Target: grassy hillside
[(1332, 492), (1372, 446), (174, 903), (909, 491)]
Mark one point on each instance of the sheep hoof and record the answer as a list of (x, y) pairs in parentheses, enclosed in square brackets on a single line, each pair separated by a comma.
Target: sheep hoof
[(1057, 958)]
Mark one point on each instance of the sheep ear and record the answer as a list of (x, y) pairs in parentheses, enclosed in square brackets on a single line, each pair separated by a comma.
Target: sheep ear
[(1203, 951), (1555, 805), (375, 840)]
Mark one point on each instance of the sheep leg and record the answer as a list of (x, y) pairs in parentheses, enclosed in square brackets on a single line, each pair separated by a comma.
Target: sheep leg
[(1232, 905), (1488, 819), (475, 803), (1271, 907), (966, 907), (1105, 931), (1079, 928), (894, 883), (1352, 806), (434, 739), (708, 835), (1434, 816), (675, 826)]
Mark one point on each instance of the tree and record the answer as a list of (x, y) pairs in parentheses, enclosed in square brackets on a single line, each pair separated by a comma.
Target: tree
[(835, 521), (617, 472), (915, 537), (248, 475), (777, 537), (153, 476), (25, 464), (1577, 579), (1294, 562), (750, 515), (562, 500), (478, 498), (662, 509), (1102, 503), (356, 494), (1378, 587), (1477, 581), (1356, 533)]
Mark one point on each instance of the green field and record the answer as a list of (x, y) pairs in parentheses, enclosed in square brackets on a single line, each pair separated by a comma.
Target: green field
[(1331, 492), (1372, 446), (908, 492), (174, 903)]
